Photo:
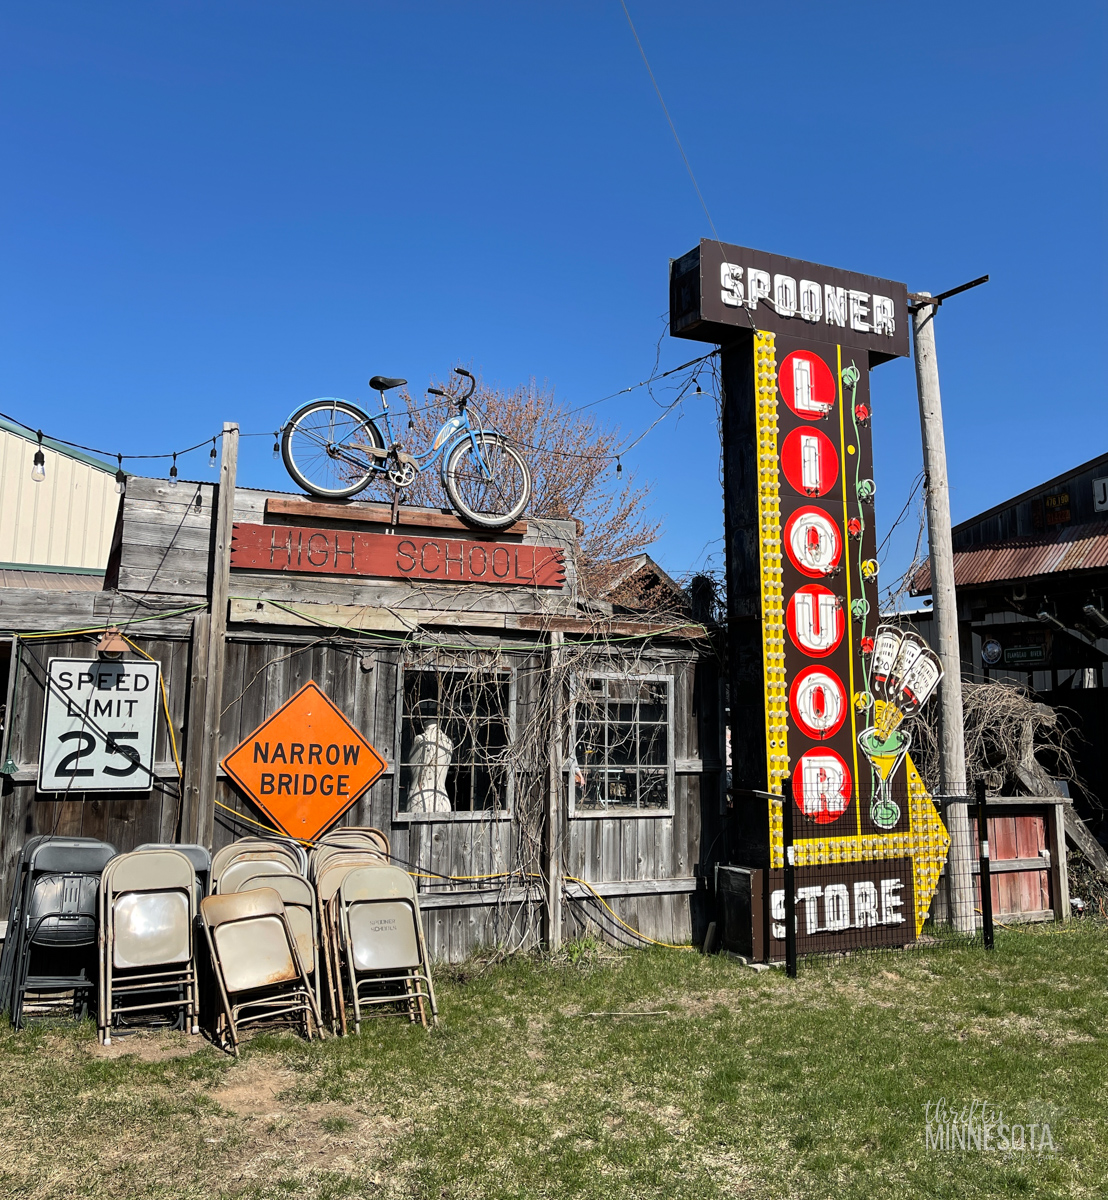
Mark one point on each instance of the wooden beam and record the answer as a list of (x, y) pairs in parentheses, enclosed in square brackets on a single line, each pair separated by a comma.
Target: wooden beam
[(679, 885), (195, 742), (217, 633), (554, 824), (381, 514), (355, 616), (1059, 863), (602, 629)]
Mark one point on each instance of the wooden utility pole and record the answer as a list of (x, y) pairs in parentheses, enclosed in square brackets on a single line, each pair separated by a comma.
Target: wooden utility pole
[(952, 748), (553, 898), (217, 633)]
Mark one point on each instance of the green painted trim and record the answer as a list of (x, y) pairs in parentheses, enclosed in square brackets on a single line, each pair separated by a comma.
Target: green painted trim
[(30, 435), (51, 570)]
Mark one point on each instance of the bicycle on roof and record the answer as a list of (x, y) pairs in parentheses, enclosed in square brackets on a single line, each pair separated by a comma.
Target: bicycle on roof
[(333, 449)]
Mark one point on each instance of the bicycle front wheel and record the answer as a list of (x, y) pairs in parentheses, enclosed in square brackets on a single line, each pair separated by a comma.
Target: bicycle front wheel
[(489, 486), (326, 447)]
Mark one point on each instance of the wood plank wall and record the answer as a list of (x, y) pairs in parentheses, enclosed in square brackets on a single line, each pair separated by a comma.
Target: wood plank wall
[(646, 867)]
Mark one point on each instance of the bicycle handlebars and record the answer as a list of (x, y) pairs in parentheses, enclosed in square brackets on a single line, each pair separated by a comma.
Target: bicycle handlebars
[(460, 401)]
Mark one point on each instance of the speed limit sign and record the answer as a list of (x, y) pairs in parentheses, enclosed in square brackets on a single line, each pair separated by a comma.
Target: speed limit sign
[(98, 726)]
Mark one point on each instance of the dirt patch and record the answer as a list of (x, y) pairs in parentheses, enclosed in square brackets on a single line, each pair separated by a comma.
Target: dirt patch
[(252, 1090), (149, 1045)]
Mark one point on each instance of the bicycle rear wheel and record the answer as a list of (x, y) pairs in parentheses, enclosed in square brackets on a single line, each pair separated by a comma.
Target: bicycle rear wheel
[(326, 447), (493, 498)]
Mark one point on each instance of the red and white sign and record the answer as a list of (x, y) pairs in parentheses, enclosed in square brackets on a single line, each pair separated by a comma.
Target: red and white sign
[(817, 701), (810, 461), (815, 620), (387, 556), (813, 542), (807, 385), (823, 785)]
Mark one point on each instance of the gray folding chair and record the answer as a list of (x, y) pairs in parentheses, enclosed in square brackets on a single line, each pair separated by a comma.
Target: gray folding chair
[(147, 963), (50, 948), (257, 965), (299, 899), (252, 849), (355, 837), (333, 864), (288, 845), (199, 856), (244, 868), (381, 943)]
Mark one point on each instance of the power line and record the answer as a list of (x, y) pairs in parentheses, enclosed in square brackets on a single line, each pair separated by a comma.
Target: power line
[(673, 128)]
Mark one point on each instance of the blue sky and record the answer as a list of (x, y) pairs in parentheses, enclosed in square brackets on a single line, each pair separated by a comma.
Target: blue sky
[(217, 211)]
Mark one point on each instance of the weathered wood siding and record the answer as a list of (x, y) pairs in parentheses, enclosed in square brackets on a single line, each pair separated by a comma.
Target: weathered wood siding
[(476, 885), (125, 820)]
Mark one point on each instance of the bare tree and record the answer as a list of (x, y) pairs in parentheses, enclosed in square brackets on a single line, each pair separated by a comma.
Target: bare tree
[(573, 464), (1018, 744)]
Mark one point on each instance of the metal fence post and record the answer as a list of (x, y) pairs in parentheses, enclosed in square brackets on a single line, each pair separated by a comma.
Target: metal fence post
[(983, 858), (790, 876)]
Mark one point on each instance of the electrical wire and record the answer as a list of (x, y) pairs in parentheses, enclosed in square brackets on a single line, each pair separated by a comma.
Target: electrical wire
[(642, 936)]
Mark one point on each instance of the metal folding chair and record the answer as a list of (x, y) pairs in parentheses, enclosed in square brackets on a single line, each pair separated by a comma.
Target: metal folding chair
[(299, 899), (287, 845), (322, 855), (253, 849), (355, 837), (380, 942), (50, 949), (243, 868), (199, 856), (147, 912), (256, 962), (332, 864)]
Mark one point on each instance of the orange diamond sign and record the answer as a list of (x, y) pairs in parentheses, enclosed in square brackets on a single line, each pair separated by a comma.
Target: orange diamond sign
[(305, 765)]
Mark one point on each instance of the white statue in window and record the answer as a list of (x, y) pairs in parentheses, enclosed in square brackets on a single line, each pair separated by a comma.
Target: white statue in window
[(428, 762)]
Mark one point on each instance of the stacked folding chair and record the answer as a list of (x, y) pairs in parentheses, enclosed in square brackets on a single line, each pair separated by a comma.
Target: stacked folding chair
[(328, 866), (258, 968), (50, 949), (280, 856), (380, 943), (388, 973), (148, 904), (199, 856), (299, 899)]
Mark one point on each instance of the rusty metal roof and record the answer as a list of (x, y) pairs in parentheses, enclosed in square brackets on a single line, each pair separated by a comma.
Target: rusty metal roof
[(1082, 548)]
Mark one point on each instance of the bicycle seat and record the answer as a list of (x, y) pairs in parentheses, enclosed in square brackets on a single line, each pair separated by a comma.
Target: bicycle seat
[(385, 383)]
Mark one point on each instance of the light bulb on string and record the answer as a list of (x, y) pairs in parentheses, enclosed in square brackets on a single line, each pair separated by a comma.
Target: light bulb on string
[(276, 444), (619, 468), (173, 472), (211, 457), (699, 389), (38, 471), (120, 477)]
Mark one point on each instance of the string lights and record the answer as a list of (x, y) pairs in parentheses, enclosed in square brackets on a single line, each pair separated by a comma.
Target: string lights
[(38, 471)]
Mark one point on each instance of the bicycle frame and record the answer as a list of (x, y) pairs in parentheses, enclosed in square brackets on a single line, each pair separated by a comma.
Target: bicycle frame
[(453, 430)]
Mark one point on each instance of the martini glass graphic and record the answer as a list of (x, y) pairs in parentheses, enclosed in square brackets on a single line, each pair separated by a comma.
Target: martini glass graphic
[(885, 751)]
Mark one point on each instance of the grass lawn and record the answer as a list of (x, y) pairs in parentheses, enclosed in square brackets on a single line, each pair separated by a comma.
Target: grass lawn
[(742, 1083)]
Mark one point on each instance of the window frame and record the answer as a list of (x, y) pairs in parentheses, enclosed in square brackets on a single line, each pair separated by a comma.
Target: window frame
[(613, 812), (507, 811)]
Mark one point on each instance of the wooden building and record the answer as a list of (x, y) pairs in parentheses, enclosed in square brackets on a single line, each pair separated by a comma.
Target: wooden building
[(1031, 575), (552, 762)]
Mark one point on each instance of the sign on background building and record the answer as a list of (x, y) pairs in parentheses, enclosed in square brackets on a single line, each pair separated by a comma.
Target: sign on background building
[(820, 688), (98, 724)]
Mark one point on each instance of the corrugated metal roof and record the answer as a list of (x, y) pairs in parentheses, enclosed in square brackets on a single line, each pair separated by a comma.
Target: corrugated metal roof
[(1082, 548), (52, 581)]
